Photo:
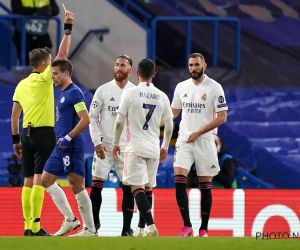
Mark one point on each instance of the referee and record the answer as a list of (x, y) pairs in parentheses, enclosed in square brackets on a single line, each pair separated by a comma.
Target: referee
[(34, 96)]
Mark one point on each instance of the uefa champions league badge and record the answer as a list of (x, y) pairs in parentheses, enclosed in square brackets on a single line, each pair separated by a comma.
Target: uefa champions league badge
[(62, 99)]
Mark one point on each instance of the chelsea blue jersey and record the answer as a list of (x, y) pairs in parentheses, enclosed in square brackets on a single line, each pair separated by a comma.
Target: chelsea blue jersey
[(65, 114)]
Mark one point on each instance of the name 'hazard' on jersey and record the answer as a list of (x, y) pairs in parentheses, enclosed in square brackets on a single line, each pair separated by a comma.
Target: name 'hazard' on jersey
[(144, 107), (200, 104)]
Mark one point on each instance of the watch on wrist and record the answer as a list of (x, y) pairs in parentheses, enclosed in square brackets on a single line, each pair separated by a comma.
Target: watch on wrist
[(67, 31)]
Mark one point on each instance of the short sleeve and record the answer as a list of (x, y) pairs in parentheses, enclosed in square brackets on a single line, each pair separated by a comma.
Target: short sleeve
[(176, 103), (16, 95), (219, 100), (47, 74), (76, 96), (124, 103)]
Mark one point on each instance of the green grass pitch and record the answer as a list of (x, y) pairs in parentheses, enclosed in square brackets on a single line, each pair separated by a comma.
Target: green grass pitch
[(141, 243)]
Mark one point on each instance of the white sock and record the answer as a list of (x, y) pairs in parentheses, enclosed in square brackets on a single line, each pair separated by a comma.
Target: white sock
[(85, 209), (60, 200)]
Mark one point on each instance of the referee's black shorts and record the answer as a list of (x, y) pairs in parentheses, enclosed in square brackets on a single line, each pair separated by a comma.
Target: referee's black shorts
[(36, 149)]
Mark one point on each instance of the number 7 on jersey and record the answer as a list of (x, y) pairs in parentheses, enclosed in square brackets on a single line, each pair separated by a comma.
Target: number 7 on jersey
[(149, 114)]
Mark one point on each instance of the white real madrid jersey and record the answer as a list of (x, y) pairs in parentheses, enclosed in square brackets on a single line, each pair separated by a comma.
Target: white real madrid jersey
[(200, 104), (144, 107), (103, 112)]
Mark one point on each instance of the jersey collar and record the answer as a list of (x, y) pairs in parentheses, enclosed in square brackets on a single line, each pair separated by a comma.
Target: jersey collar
[(146, 84), (68, 86), (126, 85)]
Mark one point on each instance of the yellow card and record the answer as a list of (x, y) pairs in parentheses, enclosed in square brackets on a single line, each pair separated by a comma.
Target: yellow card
[(64, 8)]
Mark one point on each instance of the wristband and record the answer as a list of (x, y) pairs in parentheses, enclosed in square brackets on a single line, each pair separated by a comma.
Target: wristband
[(15, 139), (68, 138), (68, 26)]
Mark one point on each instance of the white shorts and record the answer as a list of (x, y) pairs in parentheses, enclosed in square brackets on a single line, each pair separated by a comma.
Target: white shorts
[(101, 168), (203, 152), (139, 170)]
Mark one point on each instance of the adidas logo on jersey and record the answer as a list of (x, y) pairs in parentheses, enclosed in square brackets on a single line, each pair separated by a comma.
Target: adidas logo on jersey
[(213, 166), (185, 95), (112, 99)]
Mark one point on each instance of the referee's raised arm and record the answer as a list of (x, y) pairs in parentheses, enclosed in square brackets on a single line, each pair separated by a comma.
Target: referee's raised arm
[(66, 40)]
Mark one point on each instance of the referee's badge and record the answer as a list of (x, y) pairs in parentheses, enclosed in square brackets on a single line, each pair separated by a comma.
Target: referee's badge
[(62, 99)]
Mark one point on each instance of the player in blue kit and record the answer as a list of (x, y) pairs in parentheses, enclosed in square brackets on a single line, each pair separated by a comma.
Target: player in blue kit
[(67, 157)]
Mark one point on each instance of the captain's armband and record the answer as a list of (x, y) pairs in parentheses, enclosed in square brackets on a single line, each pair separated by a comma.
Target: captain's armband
[(79, 106)]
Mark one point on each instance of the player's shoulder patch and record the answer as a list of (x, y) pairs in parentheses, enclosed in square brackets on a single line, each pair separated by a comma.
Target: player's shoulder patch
[(221, 99), (95, 104)]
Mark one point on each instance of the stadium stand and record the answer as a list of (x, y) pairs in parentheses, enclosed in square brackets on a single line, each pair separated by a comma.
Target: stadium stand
[(263, 118), (8, 56)]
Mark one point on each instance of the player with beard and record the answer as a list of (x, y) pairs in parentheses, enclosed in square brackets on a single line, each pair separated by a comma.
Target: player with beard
[(204, 109), (103, 113)]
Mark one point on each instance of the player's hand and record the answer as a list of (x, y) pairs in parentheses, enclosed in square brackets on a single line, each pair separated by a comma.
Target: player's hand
[(100, 151), (163, 155), (18, 150), (69, 17), (193, 137), (63, 143), (116, 152)]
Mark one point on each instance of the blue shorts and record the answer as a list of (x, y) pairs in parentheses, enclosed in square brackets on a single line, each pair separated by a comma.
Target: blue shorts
[(63, 162)]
